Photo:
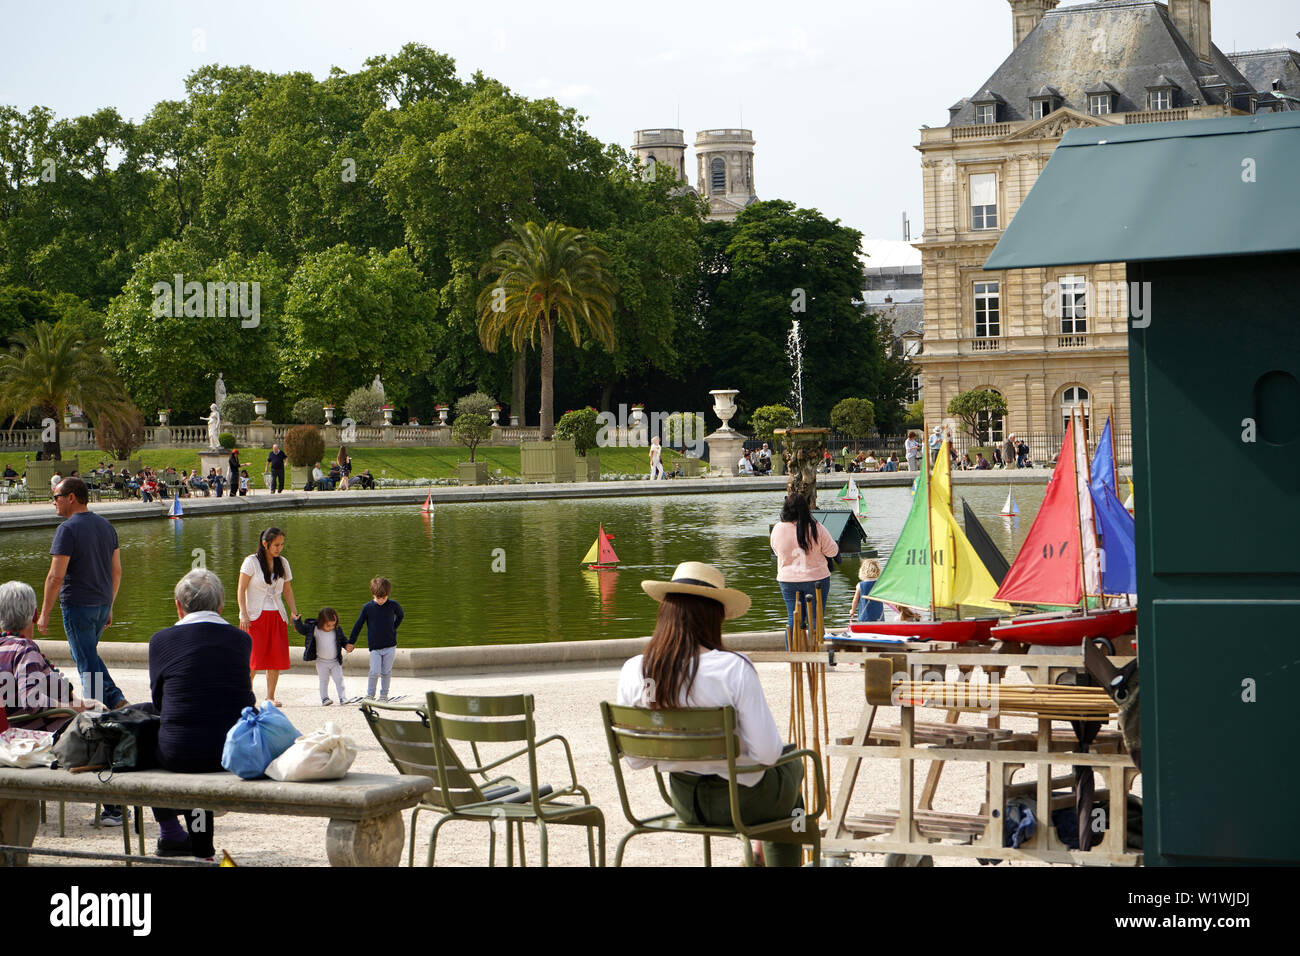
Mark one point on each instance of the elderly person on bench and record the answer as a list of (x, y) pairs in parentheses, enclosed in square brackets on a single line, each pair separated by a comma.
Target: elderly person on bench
[(198, 676), (31, 682)]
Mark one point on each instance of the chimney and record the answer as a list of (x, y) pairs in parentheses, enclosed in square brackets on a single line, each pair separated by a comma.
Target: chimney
[(1025, 15), (1192, 18)]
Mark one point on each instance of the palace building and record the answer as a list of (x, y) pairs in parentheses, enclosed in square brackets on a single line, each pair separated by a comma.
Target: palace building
[(1051, 339)]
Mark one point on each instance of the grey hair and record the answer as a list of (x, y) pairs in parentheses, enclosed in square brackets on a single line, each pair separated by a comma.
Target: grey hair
[(17, 605), (200, 590)]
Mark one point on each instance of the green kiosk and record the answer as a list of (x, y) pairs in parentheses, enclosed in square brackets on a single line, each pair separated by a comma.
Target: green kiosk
[(1207, 216)]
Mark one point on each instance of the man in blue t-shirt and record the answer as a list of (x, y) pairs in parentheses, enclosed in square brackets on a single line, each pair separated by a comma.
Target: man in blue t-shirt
[(275, 462), (85, 573)]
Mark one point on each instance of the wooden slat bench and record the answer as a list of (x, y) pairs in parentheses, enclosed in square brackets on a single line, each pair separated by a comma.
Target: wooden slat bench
[(364, 809)]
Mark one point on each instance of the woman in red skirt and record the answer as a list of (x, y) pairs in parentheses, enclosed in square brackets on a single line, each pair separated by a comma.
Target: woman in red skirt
[(263, 578)]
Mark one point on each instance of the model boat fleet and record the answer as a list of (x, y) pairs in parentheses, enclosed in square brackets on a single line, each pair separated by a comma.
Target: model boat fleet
[(1074, 579)]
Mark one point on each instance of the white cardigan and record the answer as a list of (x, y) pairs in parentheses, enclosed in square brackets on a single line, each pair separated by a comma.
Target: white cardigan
[(255, 598)]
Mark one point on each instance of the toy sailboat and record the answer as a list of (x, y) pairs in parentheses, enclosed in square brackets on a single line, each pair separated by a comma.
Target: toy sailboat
[(1010, 509), (1128, 502), (850, 491), (174, 509), (427, 507), (601, 556)]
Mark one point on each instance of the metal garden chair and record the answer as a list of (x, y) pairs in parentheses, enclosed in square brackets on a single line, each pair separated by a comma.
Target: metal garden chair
[(703, 734)]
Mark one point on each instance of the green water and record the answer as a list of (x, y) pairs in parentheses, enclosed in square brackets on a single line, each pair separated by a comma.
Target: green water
[(442, 568)]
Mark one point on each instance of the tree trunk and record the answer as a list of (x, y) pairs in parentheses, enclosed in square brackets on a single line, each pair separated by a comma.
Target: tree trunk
[(519, 388), (548, 386), (607, 395)]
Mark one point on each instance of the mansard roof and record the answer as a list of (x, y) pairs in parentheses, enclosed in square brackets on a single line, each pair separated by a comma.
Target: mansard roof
[(1262, 67), (1129, 45)]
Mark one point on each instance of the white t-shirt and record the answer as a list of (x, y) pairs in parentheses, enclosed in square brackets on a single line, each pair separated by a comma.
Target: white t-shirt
[(327, 644), (722, 679), (656, 452), (262, 596)]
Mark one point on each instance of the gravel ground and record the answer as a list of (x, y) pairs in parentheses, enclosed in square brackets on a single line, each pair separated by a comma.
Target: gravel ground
[(567, 702)]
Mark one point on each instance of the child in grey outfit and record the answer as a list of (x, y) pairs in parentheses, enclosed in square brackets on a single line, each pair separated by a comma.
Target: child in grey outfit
[(324, 647)]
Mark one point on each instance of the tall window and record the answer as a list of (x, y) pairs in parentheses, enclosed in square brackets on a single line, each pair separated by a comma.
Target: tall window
[(984, 201), (1099, 104), (1040, 108), (1074, 305), (991, 428), (1076, 396), (1160, 99), (988, 314), (985, 115), (916, 389), (717, 175)]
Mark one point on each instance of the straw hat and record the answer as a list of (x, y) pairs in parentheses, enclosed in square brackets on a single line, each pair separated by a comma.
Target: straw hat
[(702, 580)]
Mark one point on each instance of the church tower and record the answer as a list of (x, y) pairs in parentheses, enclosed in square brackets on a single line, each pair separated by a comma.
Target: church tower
[(662, 149), (725, 159)]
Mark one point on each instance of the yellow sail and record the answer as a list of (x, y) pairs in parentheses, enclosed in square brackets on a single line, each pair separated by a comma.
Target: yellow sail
[(958, 575), (593, 554)]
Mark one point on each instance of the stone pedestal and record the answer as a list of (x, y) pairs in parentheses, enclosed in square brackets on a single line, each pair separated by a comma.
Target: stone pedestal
[(375, 842), (219, 460), (261, 434), (725, 448), (803, 450), (331, 433), (162, 435)]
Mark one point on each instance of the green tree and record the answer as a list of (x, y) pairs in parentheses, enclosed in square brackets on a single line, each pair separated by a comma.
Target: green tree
[(120, 432), (471, 429), (763, 421), (975, 408), (546, 276), (364, 406), (49, 366), (855, 417)]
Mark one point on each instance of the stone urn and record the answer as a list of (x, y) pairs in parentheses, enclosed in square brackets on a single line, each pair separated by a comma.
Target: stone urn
[(803, 450), (164, 416), (442, 414), (638, 413), (496, 414), (329, 414), (514, 421), (388, 414), (724, 405), (259, 408)]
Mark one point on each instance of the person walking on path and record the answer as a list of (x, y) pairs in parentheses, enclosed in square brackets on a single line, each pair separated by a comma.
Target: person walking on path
[(85, 574), (913, 449), (263, 578), (275, 461), (1009, 452), (382, 617), (802, 546), (656, 460)]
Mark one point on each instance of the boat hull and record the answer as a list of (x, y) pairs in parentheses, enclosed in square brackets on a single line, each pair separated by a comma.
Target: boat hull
[(955, 632), (1068, 631)]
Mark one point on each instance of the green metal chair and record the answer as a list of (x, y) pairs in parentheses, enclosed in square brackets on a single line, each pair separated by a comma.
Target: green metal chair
[(508, 719), (701, 734), (410, 746)]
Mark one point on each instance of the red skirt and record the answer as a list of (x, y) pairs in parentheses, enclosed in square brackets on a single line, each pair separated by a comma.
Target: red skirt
[(270, 642)]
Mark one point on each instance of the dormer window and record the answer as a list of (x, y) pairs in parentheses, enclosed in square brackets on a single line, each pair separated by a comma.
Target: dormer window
[(1160, 95), (1045, 102), (986, 108), (1101, 99)]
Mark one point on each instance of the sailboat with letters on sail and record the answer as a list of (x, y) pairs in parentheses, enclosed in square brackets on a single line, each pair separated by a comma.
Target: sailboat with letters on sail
[(933, 566), (601, 556), (1078, 553)]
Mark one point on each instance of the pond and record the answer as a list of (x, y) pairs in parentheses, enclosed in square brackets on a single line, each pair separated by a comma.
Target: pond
[(493, 573)]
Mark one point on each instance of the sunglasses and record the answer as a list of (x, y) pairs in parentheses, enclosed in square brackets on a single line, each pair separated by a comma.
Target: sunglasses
[(66, 494)]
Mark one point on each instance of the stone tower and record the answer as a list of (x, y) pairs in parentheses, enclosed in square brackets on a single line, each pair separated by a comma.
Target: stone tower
[(725, 158), (1025, 15), (662, 149)]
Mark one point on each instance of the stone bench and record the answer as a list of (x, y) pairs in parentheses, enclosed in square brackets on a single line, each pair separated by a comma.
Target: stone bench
[(364, 809)]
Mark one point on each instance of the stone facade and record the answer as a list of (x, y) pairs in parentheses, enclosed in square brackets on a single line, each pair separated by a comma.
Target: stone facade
[(725, 161), (1049, 338)]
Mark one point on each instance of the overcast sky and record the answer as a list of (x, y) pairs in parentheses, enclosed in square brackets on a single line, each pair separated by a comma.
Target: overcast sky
[(835, 92)]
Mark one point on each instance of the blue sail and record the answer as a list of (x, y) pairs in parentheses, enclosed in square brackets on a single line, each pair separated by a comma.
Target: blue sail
[(1115, 525)]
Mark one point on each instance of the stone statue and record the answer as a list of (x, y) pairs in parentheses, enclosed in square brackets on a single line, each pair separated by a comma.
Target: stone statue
[(221, 390), (378, 385), (214, 428)]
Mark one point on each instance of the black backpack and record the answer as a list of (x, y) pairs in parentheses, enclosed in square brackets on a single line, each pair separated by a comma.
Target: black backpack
[(115, 740)]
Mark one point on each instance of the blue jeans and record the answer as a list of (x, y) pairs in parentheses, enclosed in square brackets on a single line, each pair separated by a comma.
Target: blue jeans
[(84, 623), (791, 588), (381, 670)]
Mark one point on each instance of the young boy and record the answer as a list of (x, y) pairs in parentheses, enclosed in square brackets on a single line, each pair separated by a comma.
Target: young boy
[(382, 617)]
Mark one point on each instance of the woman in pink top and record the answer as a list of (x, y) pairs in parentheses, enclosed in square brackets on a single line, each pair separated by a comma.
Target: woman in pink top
[(803, 547)]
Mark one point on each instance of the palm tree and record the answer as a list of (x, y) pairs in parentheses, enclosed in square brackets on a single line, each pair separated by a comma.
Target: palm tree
[(547, 275), (49, 366)]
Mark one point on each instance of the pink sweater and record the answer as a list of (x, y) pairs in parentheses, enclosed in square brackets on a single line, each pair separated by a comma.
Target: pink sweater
[(792, 563)]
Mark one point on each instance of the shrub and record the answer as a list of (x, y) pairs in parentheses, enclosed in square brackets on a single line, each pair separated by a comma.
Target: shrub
[(237, 408), (581, 426), (364, 406), (226, 440), (915, 415), (476, 403), (768, 418), (309, 410), (855, 417), (304, 445), (470, 429), (120, 432)]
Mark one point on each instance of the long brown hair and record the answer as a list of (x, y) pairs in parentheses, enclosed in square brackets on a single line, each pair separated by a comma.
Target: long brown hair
[(687, 624)]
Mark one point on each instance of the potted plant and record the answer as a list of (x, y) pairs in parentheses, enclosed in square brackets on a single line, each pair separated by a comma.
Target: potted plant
[(329, 414), (470, 430), (581, 427), (442, 410), (304, 446), (638, 412), (387, 409)]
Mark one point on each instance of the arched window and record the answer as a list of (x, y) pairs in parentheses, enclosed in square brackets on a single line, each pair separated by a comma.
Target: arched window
[(717, 175), (991, 428), (1072, 397)]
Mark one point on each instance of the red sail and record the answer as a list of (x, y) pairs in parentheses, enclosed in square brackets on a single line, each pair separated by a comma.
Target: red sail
[(607, 555), (1046, 571)]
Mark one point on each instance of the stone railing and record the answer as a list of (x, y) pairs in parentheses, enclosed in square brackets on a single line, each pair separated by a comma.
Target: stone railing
[(1072, 341), (514, 434), (982, 131), (1157, 116)]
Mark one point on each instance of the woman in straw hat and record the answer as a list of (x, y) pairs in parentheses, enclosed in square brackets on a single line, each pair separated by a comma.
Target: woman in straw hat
[(685, 665)]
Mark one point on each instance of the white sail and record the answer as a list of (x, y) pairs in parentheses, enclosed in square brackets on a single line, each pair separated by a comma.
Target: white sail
[(1010, 509)]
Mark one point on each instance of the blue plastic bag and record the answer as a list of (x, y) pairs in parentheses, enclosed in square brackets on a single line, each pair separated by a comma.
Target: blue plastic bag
[(257, 738)]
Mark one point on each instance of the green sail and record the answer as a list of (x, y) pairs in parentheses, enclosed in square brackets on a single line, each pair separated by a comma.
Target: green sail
[(906, 577)]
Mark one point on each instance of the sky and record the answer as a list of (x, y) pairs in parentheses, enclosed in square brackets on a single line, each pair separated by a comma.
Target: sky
[(835, 92)]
